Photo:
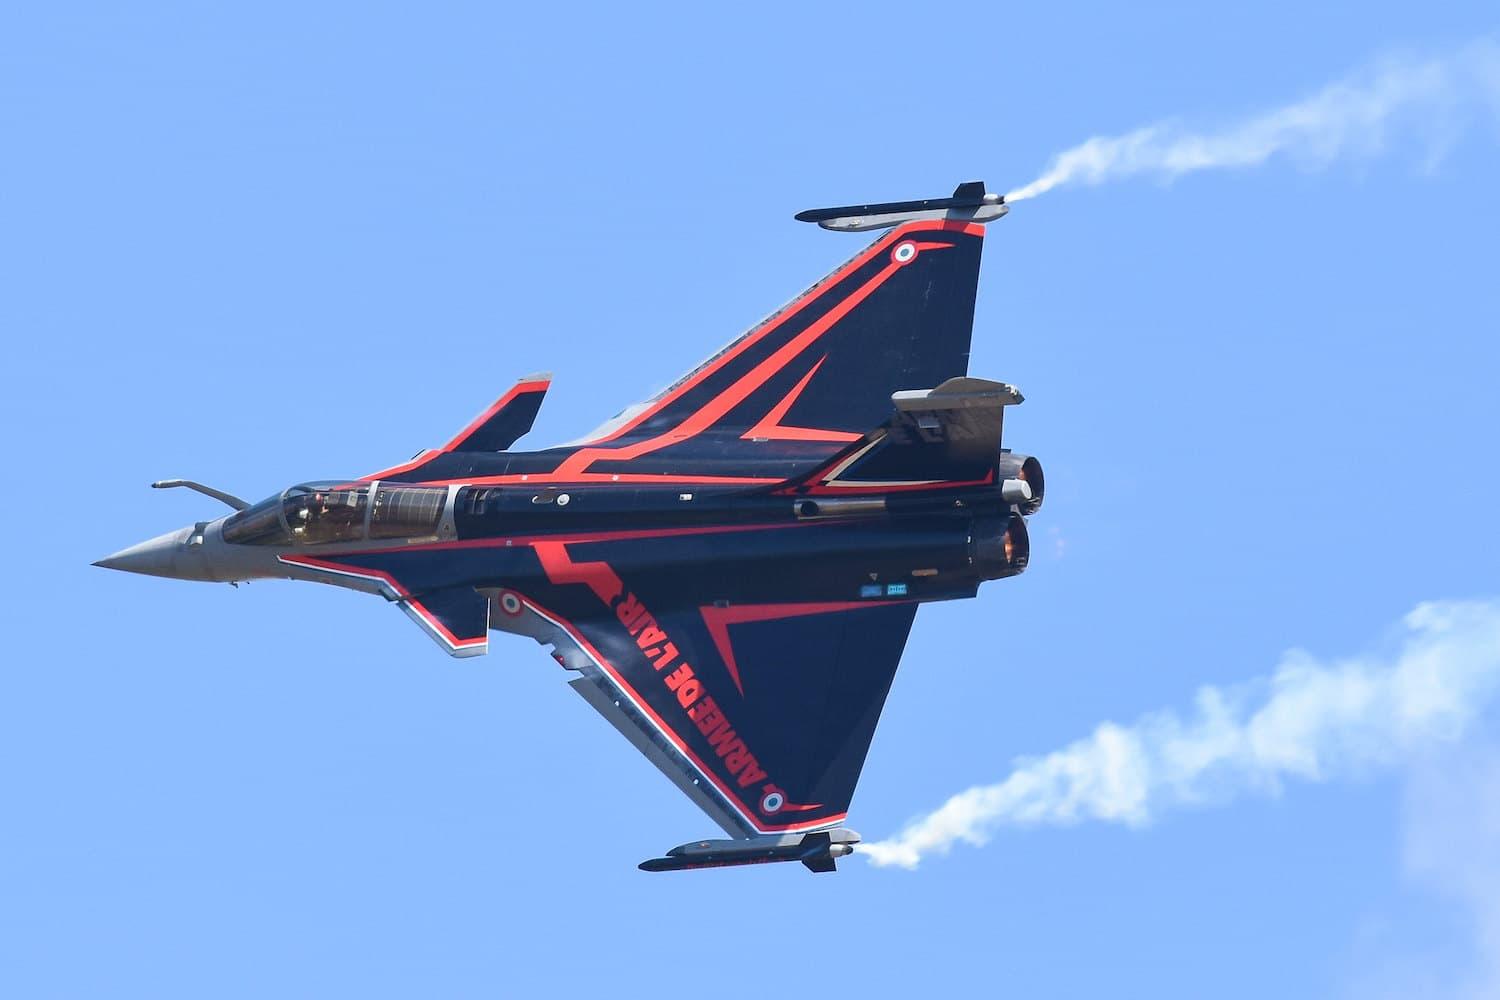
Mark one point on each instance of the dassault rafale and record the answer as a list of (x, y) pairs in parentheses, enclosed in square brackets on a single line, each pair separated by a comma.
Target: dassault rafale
[(729, 570)]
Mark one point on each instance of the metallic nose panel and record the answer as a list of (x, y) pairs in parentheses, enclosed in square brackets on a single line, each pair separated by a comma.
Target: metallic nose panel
[(167, 555)]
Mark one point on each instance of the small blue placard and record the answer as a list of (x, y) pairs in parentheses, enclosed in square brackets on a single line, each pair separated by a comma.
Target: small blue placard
[(870, 590), (895, 590)]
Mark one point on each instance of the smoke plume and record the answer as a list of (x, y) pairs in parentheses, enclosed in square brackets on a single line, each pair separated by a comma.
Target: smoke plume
[(1357, 116), (1311, 720)]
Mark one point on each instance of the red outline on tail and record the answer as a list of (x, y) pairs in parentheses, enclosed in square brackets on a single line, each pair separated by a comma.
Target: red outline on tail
[(772, 429)]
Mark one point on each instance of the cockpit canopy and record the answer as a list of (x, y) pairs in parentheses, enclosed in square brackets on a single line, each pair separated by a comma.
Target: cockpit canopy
[(339, 511)]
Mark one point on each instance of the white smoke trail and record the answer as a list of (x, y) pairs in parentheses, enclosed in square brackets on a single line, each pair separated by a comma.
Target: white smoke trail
[(1311, 720), (1353, 117)]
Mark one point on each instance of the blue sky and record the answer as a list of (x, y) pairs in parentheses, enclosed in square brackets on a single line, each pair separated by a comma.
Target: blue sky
[(263, 245)]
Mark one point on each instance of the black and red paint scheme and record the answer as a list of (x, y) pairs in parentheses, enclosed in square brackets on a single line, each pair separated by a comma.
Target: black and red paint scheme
[(730, 568)]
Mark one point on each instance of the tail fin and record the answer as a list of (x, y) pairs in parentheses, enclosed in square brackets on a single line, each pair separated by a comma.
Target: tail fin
[(936, 437), (898, 316)]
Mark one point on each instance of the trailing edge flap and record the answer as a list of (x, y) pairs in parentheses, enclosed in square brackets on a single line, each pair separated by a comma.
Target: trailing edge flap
[(948, 434), (457, 618), (506, 420)]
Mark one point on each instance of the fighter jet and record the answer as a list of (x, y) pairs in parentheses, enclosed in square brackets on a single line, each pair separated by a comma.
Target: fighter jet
[(729, 570)]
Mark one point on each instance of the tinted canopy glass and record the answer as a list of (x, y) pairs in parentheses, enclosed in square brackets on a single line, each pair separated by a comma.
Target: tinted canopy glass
[(338, 511)]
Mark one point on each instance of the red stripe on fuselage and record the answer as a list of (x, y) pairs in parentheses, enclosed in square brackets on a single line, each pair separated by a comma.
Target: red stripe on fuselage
[(588, 478), (560, 568), (508, 541)]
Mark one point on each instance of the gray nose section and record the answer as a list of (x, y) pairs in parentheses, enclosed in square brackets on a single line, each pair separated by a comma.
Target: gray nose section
[(171, 555)]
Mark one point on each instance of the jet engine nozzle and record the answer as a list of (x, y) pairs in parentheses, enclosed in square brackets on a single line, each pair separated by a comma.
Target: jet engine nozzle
[(1000, 546), (1029, 471)]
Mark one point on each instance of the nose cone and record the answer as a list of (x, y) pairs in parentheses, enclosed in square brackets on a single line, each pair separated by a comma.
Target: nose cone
[(174, 554)]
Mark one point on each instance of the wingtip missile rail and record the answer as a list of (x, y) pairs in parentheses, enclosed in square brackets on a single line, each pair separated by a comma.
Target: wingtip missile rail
[(817, 851), (968, 203)]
